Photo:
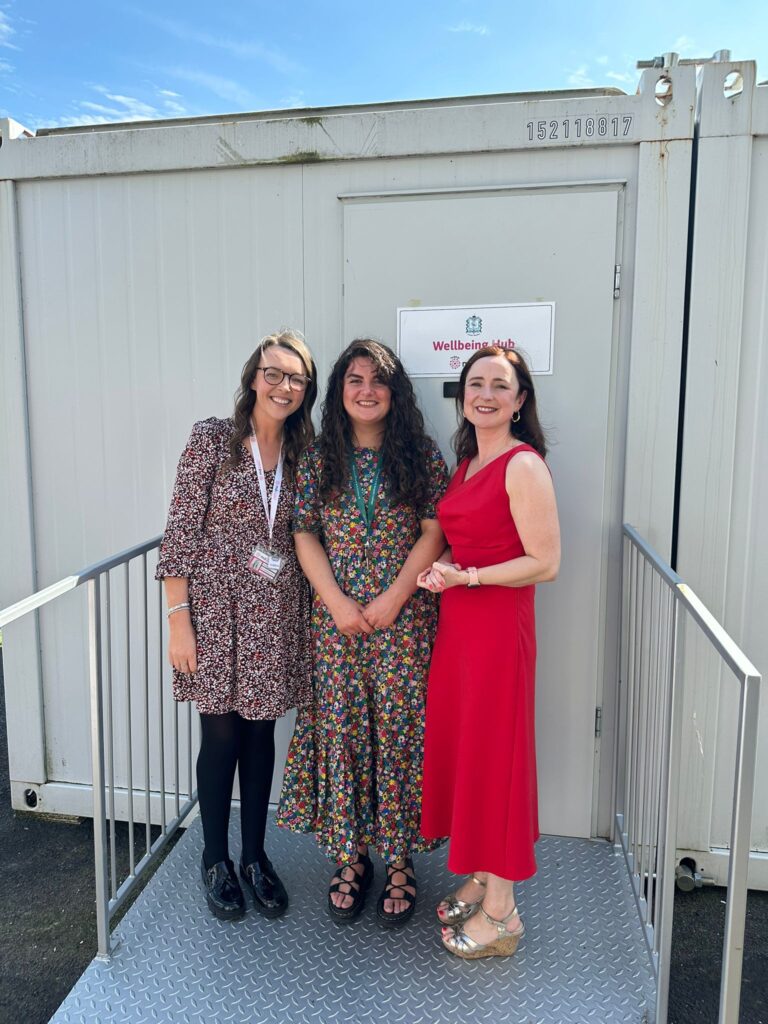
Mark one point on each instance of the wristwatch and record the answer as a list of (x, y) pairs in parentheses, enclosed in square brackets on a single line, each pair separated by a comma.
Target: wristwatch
[(474, 579)]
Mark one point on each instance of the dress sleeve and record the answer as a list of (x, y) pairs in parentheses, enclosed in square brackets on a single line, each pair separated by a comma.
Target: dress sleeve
[(189, 503), (306, 510), (438, 481)]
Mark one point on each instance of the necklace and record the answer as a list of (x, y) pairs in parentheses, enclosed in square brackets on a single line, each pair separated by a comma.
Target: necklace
[(481, 464)]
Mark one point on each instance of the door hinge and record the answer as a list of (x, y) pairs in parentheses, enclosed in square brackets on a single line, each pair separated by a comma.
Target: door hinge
[(617, 281), (598, 721)]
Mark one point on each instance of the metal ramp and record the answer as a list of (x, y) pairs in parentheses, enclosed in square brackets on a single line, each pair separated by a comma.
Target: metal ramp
[(583, 957)]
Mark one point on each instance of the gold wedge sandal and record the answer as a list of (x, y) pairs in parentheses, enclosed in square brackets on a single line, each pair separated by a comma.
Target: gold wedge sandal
[(458, 911), (505, 944)]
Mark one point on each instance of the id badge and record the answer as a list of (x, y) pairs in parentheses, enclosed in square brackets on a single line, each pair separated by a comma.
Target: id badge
[(265, 563)]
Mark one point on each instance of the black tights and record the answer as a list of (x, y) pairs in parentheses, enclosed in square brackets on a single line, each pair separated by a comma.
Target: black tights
[(229, 741)]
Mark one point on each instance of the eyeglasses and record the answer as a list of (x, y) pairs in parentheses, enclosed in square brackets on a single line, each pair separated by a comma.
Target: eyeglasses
[(297, 381)]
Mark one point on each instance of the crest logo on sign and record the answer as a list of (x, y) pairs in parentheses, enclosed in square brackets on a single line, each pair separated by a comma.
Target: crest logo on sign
[(436, 341)]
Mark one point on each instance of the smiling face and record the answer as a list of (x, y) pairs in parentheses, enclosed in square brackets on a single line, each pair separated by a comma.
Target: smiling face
[(277, 401), (367, 399), (492, 393)]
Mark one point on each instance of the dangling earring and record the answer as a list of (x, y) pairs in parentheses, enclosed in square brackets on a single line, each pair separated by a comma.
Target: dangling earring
[(516, 416)]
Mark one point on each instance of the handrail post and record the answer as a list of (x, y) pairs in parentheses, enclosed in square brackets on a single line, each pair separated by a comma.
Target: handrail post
[(738, 868), (670, 797), (97, 755), (100, 683)]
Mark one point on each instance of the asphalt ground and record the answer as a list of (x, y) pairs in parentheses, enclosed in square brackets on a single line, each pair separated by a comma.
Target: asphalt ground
[(48, 922)]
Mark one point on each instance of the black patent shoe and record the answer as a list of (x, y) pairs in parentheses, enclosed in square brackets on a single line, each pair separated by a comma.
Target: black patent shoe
[(269, 895), (222, 890)]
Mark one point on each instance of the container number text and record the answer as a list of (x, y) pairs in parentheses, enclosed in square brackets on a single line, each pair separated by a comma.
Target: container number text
[(568, 128)]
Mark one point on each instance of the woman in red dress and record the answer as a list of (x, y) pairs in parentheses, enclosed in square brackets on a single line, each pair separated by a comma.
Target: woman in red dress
[(500, 520)]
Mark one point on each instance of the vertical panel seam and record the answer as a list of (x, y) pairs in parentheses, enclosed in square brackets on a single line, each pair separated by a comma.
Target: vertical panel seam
[(19, 283)]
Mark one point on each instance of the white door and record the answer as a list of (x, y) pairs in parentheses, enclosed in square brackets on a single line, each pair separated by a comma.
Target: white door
[(553, 244)]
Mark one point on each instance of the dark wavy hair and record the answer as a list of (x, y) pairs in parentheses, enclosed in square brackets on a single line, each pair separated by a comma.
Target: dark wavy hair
[(298, 429), (527, 429), (405, 448)]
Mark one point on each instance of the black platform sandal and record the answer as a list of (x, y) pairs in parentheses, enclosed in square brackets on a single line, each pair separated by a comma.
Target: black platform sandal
[(397, 889), (350, 883)]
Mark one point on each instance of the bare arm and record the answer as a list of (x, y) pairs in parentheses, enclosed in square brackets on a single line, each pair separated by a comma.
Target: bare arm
[(346, 613), (534, 510), (383, 610), (186, 518), (182, 642)]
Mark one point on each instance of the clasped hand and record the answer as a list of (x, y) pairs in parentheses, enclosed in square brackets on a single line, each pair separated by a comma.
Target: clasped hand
[(441, 576), (380, 613)]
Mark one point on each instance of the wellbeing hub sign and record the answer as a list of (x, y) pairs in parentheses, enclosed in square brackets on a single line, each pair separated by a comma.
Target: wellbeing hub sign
[(436, 341)]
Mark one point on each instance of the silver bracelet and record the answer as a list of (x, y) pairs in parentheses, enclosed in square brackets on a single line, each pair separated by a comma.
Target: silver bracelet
[(177, 608)]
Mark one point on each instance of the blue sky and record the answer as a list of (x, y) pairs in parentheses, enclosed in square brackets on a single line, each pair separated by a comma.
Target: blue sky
[(66, 62)]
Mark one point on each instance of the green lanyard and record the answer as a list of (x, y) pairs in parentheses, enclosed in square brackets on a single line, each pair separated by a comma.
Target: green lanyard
[(366, 507)]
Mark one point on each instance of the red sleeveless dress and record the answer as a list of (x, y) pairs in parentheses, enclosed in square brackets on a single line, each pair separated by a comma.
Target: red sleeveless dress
[(479, 746)]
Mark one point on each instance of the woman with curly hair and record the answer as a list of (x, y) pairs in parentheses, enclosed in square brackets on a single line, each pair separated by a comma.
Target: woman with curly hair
[(365, 528), (238, 606)]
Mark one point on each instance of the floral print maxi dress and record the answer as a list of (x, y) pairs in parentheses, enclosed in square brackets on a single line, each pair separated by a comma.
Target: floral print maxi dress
[(353, 772)]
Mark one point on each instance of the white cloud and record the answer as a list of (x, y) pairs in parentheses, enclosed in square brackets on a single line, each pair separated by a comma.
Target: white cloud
[(6, 31), (621, 76), (225, 88), (97, 108), (129, 105), (295, 100), (684, 45), (75, 120), (468, 26), (5, 67), (579, 77), (601, 60), (173, 109), (243, 48), (122, 109)]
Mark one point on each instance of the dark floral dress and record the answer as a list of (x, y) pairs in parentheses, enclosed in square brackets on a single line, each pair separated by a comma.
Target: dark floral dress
[(353, 772), (253, 639)]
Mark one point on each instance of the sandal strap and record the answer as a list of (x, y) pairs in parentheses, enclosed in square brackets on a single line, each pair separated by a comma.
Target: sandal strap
[(477, 881), (454, 901), (358, 875), (336, 887), (410, 881), (407, 897), (500, 925)]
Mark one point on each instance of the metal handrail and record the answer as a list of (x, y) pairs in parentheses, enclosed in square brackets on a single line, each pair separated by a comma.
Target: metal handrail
[(729, 650), (646, 793), (646, 796), (99, 601), (48, 594)]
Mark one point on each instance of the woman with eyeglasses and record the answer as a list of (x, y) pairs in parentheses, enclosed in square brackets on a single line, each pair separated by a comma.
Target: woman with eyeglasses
[(365, 528), (238, 606)]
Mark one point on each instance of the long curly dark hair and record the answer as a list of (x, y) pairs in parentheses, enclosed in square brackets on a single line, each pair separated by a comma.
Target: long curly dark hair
[(298, 430), (527, 429), (405, 446)]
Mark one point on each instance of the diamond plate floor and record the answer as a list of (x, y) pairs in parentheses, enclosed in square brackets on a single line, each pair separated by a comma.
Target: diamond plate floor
[(582, 958)]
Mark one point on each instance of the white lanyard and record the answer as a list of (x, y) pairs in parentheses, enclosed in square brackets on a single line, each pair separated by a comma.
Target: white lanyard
[(270, 509)]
